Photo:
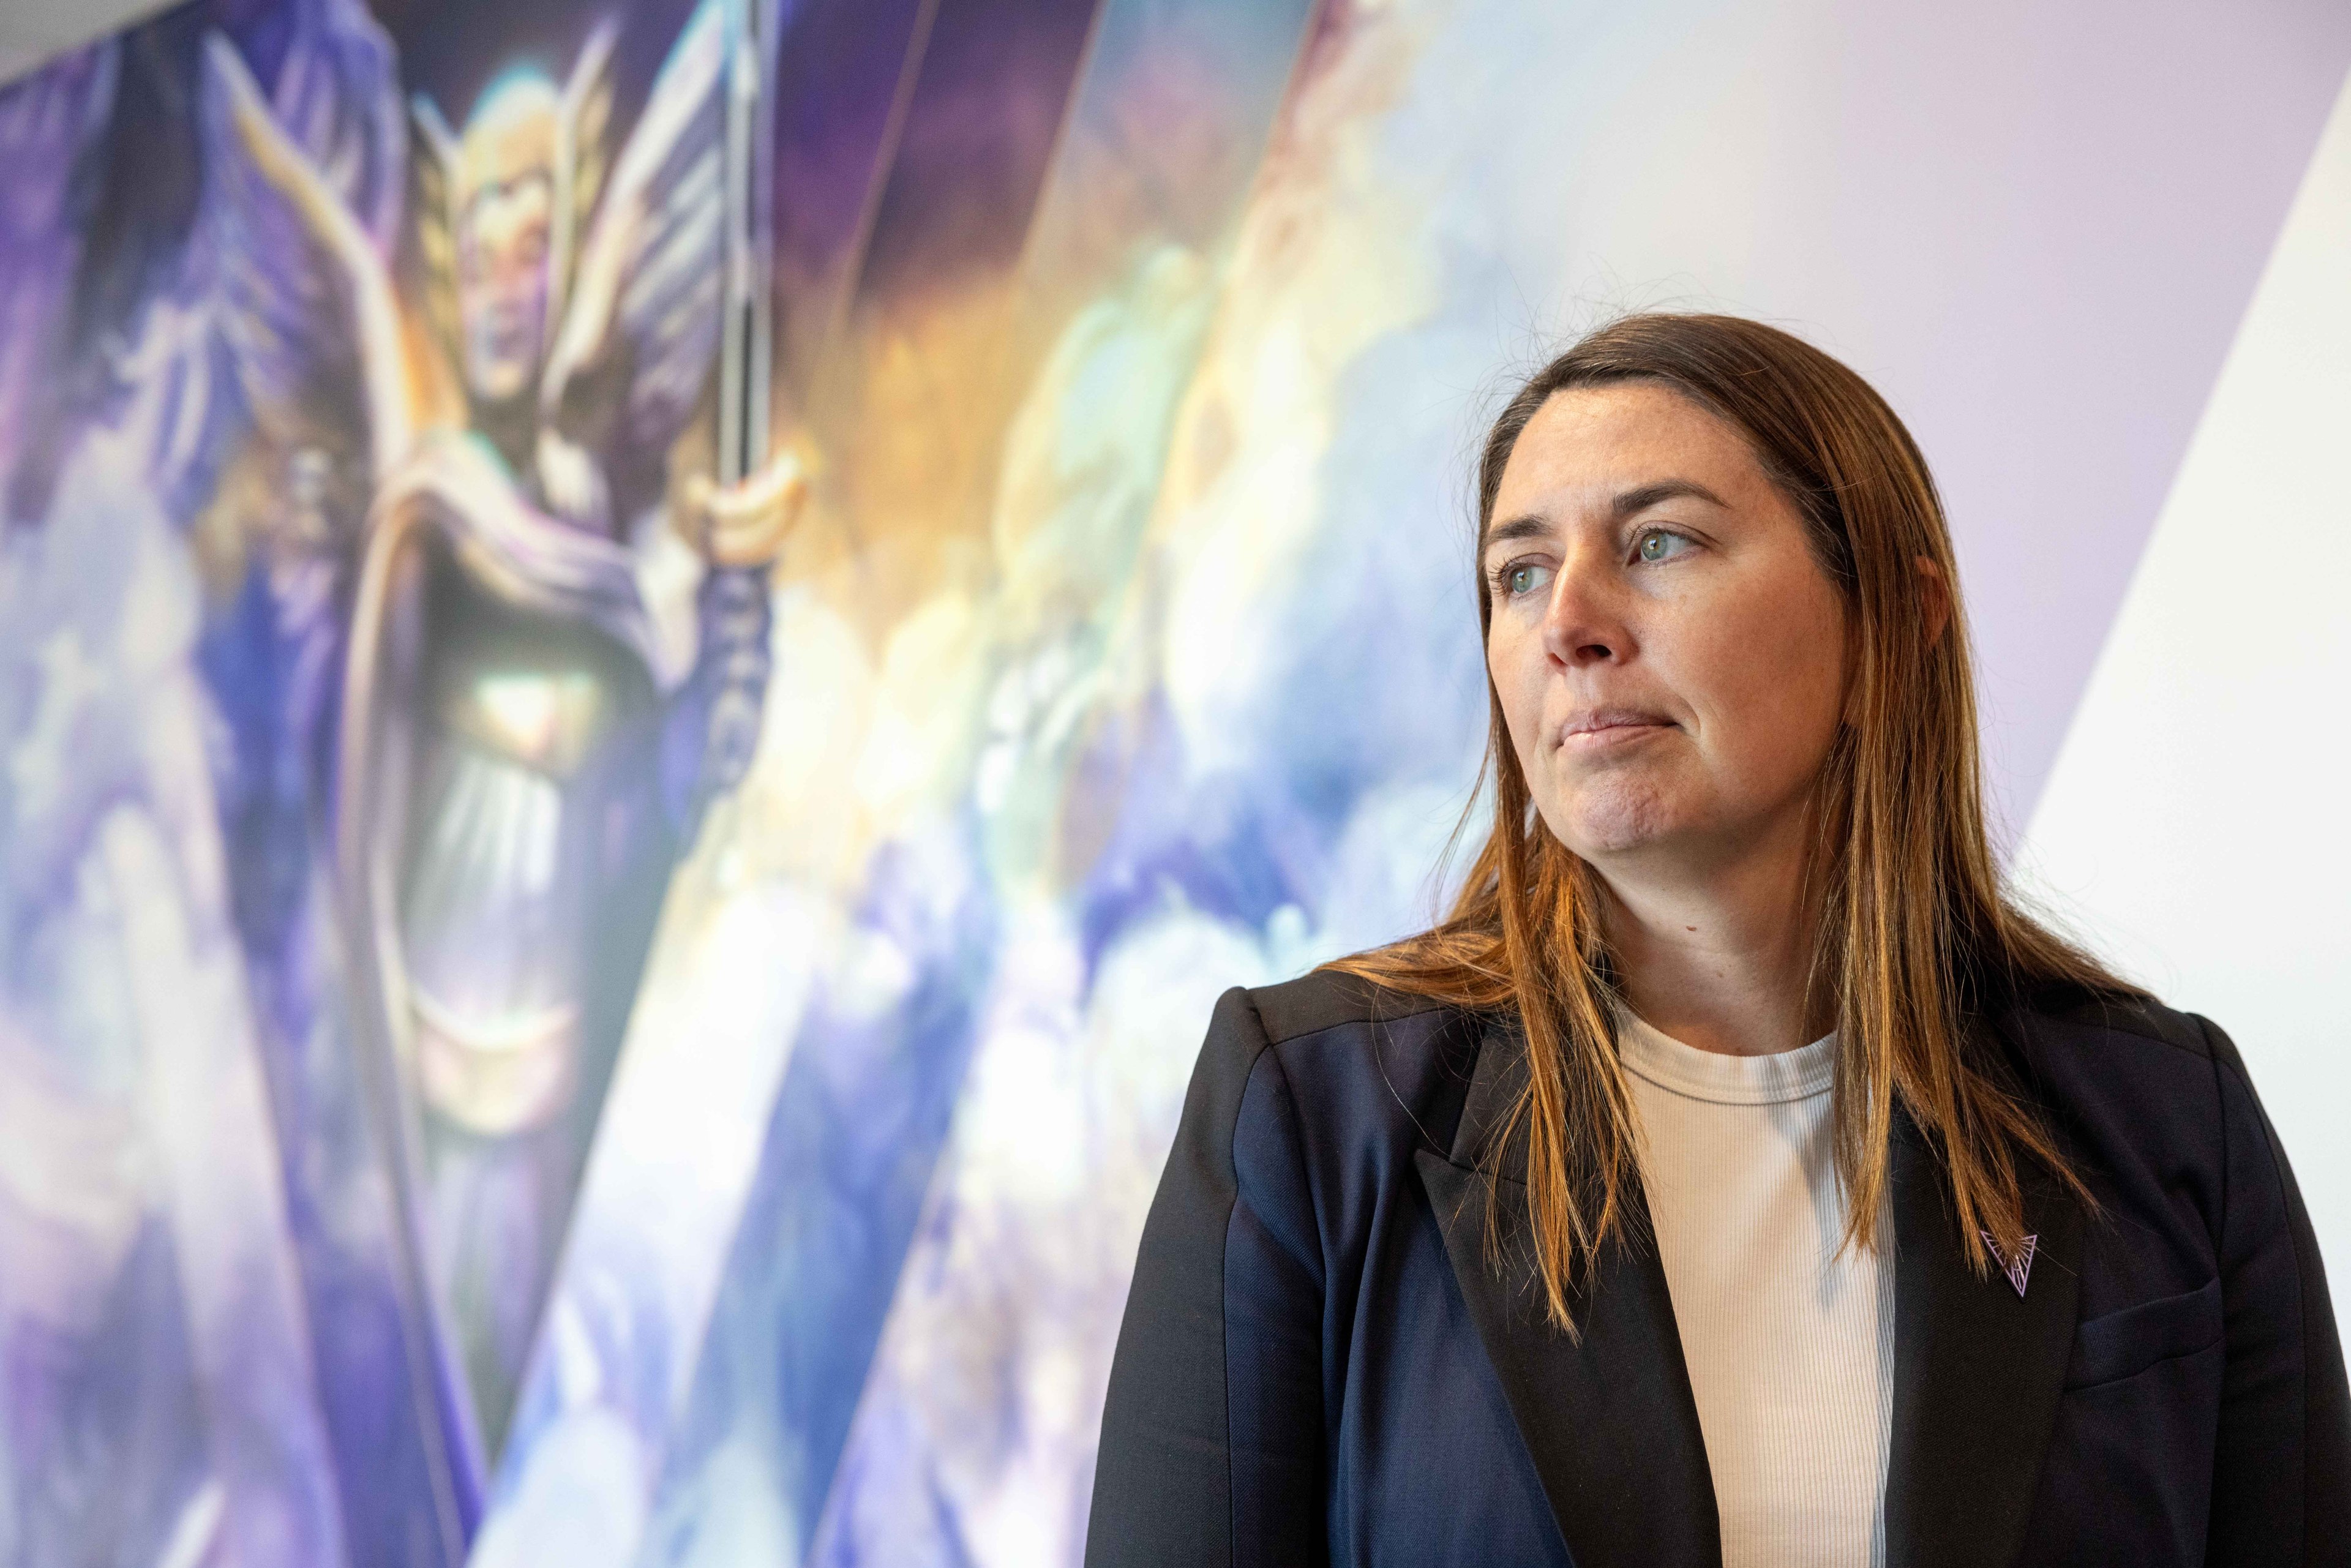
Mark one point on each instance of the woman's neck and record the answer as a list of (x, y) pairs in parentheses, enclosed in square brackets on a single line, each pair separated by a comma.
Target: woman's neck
[(1720, 958)]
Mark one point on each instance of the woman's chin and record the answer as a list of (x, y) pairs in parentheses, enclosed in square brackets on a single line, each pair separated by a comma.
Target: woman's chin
[(1617, 822)]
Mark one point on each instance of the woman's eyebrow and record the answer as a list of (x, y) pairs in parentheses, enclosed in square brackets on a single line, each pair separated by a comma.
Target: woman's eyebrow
[(1647, 495), (1626, 504), (1526, 527)]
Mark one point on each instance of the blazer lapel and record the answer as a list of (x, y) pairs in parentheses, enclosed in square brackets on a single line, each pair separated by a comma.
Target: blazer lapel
[(1609, 1422), (1976, 1369)]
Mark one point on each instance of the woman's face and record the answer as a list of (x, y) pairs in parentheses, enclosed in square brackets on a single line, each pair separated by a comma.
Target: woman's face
[(1670, 655)]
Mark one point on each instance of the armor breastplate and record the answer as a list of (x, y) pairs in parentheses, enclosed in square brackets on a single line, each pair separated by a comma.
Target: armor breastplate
[(501, 886)]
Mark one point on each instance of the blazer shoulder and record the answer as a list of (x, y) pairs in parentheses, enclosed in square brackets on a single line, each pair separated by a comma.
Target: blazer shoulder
[(1328, 999), (1370, 1071), (2140, 1017)]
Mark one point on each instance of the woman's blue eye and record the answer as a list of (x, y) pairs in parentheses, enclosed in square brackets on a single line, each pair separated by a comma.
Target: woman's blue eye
[(1523, 579), (1660, 544)]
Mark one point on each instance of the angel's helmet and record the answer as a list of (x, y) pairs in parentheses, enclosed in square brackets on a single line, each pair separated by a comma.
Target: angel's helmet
[(504, 204)]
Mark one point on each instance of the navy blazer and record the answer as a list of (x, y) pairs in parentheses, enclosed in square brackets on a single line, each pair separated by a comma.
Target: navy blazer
[(1321, 1360)]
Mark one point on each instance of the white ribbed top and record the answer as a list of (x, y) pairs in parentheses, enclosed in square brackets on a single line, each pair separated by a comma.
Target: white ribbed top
[(1790, 1346)]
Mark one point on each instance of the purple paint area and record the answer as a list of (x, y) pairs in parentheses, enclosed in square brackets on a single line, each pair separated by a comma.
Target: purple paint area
[(980, 129), (451, 53), (839, 68), (92, 1404)]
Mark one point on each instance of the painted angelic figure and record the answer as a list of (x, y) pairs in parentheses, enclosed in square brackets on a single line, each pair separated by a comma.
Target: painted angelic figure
[(558, 634)]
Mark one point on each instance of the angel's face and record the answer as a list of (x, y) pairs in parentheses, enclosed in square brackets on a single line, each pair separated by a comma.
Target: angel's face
[(505, 212)]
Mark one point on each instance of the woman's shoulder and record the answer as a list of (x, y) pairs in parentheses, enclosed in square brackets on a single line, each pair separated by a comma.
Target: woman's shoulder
[(2157, 1108), (1348, 1053), (2155, 1074), (2115, 1018), (1325, 999)]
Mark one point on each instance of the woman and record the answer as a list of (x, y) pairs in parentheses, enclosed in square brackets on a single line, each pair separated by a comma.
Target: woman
[(1736, 1175)]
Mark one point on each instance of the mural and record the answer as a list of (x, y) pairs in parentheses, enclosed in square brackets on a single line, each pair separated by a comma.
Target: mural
[(504, 900), (655, 657)]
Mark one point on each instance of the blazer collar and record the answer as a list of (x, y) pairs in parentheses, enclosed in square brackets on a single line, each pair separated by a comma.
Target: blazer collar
[(1609, 1423)]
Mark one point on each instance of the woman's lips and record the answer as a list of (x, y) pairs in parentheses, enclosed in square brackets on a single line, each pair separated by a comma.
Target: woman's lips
[(1603, 732)]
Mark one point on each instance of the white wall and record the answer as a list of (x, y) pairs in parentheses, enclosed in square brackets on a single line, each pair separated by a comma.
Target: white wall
[(2198, 821)]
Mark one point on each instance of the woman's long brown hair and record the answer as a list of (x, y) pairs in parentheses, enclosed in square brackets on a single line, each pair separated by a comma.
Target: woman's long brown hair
[(1917, 942)]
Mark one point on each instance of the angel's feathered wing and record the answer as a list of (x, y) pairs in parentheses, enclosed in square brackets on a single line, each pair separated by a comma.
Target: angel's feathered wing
[(337, 100), (424, 262), (640, 321), (582, 159), (305, 295)]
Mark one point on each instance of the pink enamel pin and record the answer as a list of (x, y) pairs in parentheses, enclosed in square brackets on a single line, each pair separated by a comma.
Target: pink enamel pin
[(2018, 1269)]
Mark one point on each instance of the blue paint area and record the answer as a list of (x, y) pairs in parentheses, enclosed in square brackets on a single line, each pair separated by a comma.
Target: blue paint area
[(846, 1167)]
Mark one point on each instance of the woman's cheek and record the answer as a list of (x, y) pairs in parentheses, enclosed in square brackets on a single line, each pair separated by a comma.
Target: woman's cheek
[(1519, 689)]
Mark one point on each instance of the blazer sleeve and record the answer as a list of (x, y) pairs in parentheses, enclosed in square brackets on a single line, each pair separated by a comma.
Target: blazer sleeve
[(2281, 1474), (1212, 1436)]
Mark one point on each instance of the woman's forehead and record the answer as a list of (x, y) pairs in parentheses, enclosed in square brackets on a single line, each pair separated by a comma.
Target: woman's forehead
[(1588, 448)]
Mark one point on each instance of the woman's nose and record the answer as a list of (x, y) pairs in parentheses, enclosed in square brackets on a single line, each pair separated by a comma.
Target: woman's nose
[(1585, 621)]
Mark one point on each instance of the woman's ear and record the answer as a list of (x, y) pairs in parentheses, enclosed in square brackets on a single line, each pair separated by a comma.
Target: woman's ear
[(1934, 599)]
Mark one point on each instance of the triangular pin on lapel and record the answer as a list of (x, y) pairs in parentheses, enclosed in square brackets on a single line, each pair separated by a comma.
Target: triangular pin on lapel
[(2018, 1269), (1978, 1371)]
